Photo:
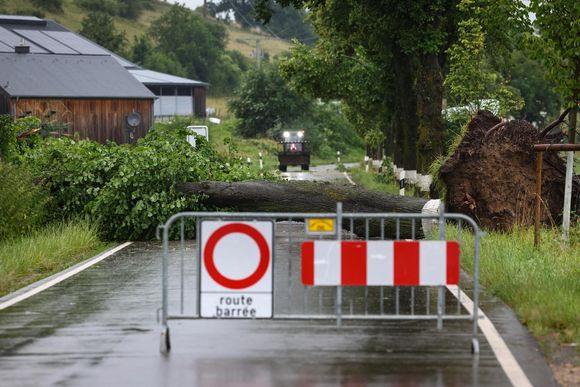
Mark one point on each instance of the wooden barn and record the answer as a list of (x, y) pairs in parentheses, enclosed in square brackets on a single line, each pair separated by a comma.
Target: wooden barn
[(92, 95), (49, 71)]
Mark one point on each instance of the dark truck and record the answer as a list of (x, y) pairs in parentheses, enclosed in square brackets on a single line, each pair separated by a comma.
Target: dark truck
[(294, 151)]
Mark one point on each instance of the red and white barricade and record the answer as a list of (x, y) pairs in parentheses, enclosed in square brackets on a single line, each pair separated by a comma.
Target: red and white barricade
[(380, 263)]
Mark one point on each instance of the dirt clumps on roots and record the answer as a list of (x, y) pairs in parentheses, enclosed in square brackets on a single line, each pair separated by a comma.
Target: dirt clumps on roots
[(492, 178)]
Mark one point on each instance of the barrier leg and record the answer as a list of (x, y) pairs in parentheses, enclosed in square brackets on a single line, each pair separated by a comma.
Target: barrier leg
[(165, 344), (440, 306)]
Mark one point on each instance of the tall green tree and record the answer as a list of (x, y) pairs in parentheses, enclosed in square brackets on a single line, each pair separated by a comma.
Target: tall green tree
[(408, 42), (285, 22), (541, 101), (49, 5), (100, 28), (403, 40), (198, 45), (558, 46), (477, 62), (264, 100)]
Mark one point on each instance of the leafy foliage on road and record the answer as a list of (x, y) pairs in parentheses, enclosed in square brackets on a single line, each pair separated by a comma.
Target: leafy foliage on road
[(128, 190)]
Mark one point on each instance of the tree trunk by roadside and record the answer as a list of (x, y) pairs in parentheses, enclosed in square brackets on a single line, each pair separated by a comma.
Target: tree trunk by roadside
[(429, 90), (405, 112), (265, 196)]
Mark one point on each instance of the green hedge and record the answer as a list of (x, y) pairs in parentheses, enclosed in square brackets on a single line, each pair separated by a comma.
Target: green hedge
[(22, 201), (129, 189)]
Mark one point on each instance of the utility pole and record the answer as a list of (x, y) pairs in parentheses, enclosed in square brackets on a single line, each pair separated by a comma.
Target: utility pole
[(204, 8), (258, 54)]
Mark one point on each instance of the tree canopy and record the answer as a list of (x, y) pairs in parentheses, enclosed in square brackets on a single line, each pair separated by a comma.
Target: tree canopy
[(100, 28), (264, 100), (394, 63), (285, 22), (557, 44), (183, 43)]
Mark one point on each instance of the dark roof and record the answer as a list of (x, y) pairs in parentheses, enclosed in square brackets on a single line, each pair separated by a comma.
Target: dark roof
[(67, 76), (48, 37)]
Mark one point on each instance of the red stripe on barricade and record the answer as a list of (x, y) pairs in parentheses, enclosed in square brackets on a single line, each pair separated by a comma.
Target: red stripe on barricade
[(452, 263), (406, 257), (353, 258), (308, 263)]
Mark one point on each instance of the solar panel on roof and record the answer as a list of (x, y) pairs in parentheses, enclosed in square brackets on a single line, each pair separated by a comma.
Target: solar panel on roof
[(76, 42), (18, 17), (11, 40), (5, 48), (46, 41)]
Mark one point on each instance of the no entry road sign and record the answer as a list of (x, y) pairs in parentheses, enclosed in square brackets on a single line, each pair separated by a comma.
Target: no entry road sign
[(236, 269)]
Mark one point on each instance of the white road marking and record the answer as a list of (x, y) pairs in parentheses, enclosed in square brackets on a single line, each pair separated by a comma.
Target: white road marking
[(503, 354), (349, 179), (65, 275)]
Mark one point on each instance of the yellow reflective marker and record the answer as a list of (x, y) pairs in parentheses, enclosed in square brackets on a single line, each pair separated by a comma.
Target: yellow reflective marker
[(320, 226)]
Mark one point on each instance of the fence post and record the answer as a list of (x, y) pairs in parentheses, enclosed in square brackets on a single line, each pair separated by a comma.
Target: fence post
[(441, 289), (402, 183), (567, 197), (339, 288), (539, 158)]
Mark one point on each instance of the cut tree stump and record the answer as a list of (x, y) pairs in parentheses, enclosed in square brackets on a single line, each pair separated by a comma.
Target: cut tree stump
[(266, 196)]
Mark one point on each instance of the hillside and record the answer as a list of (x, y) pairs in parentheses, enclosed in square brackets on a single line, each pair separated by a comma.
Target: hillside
[(72, 16)]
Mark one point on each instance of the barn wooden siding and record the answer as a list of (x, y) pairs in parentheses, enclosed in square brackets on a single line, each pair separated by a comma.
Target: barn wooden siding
[(95, 119), (199, 94)]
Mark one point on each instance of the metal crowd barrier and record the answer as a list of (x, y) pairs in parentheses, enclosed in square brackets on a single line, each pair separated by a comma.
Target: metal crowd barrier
[(291, 299)]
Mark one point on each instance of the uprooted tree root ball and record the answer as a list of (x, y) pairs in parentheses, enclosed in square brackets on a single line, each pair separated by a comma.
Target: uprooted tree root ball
[(492, 177)]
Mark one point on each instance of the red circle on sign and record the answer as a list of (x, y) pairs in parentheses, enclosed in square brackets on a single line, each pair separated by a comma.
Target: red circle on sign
[(231, 229)]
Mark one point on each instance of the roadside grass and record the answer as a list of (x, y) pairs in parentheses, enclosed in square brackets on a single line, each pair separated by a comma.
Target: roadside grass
[(220, 104), (541, 285), (374, 181), (353, 155), (251, 147), (47, 251), (244, 147), (244, 41)]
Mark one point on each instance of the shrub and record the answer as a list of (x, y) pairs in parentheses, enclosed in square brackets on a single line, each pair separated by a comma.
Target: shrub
[(129, 190), (7, 137), (142, 193), (22, 202), (74, 171)]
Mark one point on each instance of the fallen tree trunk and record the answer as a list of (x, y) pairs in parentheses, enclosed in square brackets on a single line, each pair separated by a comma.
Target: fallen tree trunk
[(265, 196)]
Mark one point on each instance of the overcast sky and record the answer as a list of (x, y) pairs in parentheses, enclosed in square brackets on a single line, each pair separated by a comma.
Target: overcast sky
[(193, 4)]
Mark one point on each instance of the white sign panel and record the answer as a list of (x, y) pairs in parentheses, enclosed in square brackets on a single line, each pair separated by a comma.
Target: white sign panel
[(236, 269), (200, 131)]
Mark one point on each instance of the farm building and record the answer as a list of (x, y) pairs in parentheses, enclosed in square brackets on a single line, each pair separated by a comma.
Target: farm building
[(176, 96), (48, 71)]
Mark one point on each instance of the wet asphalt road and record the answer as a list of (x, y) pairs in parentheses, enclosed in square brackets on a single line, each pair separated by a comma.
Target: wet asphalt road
[(317, 173), (99, 328)]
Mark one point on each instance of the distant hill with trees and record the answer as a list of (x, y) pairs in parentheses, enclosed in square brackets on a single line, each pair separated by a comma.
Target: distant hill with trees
[(148, 33)]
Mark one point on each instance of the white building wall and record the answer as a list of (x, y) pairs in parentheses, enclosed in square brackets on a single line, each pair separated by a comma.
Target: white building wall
[(173, 105)]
